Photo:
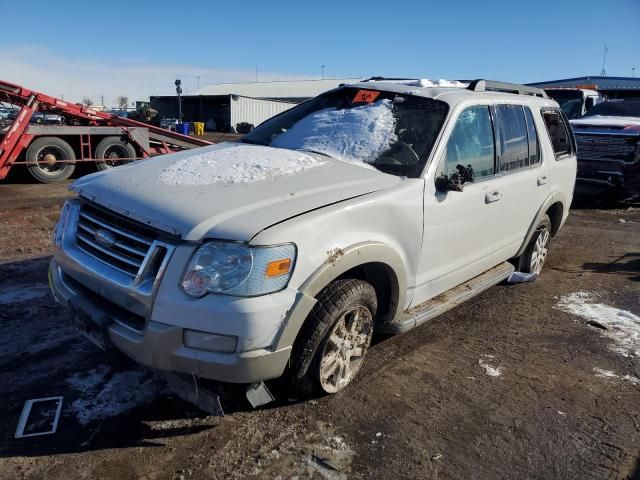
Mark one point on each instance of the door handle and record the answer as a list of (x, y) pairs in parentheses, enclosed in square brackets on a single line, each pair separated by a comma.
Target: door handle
[(492, 197), (543, 180)]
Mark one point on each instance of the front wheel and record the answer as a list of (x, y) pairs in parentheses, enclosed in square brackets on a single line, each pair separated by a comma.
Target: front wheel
[(335, 338), (534, 256)]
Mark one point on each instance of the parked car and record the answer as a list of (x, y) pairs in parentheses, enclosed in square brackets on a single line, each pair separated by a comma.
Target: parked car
[(42, 118), (168, 123), (6, 112), (608, 138), (373, 207), (575, 102)]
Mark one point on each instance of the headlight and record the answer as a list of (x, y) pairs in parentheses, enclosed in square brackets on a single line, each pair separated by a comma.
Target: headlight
[(236, 269)]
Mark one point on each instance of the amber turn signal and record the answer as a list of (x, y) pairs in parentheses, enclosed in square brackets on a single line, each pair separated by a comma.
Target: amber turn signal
[(278, 267)]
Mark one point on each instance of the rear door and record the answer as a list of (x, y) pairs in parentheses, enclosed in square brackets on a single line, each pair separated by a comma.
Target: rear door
[(522, 182)]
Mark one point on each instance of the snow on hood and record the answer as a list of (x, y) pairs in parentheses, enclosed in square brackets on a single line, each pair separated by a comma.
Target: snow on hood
[(232, 211), (603, 120), (236, 164), (355, 135)]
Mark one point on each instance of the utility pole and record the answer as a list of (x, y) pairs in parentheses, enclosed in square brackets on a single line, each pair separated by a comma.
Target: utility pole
[(322, 67), (603, 72), (179, 92), (102, 99)]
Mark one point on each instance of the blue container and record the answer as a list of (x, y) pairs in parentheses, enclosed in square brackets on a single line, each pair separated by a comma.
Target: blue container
[(183, 128)]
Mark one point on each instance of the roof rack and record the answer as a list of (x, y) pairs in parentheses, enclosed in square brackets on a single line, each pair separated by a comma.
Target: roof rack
[(481, 85), (381, 79)]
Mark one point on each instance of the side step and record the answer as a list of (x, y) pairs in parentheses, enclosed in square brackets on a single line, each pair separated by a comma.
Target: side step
[(449, 299)]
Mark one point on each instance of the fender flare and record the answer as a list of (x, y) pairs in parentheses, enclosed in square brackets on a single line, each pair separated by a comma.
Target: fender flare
[(339, 262), (554, 197)]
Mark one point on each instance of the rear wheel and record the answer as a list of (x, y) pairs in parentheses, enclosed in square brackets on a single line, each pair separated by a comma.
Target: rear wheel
[(534, 256), (50, 160), (110, 152), (334, 340)]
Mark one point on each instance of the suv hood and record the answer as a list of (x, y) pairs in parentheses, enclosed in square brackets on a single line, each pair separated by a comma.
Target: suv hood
[(223, 210), (605, 121)]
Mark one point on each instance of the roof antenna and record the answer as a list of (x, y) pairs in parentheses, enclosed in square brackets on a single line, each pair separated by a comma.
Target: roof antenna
[(603, 72)]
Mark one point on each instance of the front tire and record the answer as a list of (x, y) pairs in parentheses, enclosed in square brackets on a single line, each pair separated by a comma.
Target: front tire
[(534, 256), (334, 340)]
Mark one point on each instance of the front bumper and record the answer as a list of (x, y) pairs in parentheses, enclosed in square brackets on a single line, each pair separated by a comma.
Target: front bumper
[(160, 345), (602, 176)]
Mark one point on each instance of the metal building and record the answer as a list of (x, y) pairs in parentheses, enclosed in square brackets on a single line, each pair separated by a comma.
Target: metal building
[(229, 104), (611, 87)]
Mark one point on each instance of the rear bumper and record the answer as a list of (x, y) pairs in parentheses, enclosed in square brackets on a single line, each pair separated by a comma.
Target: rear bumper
[(161, 345)]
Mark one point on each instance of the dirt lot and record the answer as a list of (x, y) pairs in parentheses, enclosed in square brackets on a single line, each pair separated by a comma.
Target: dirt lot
[(525, 381)]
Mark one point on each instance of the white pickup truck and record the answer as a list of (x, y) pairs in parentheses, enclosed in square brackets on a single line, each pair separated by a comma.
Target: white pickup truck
[(374, 206)]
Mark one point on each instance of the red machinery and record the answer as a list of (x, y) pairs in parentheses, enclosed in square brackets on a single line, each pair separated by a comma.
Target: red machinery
[(51, 151)]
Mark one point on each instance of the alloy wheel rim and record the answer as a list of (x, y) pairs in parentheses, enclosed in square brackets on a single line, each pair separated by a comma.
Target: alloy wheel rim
[(345, 348), (540, 251)]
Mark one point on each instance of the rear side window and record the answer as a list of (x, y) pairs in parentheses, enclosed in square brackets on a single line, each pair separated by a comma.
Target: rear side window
[(558, 132), (471, 143), (512, 137)]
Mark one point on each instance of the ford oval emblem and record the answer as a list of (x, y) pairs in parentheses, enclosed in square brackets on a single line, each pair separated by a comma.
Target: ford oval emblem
[(105, 238)]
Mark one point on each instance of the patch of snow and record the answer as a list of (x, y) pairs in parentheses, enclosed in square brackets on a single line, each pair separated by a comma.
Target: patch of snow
[(425, 82), (488, 368), (600, 372), (621, 326), (236, 164), (22, 293), (357, 135), (101, 398)]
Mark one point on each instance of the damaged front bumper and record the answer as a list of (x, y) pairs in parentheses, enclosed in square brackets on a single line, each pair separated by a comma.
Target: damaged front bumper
[(159, 345)]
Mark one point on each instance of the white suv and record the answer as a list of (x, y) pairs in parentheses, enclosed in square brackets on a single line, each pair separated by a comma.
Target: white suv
[(374, 206)]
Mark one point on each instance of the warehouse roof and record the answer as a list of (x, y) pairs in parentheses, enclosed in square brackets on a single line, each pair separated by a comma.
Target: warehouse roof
[(603, 83), (276, 89)]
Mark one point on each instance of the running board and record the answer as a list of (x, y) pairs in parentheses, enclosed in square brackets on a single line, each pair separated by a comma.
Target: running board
[(449, 299)]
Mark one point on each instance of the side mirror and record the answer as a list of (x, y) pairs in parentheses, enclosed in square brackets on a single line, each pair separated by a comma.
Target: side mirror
[(455, 182)]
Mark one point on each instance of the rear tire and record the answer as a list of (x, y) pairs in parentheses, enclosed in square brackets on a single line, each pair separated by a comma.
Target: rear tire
[(110, 149), (42, 159), (332, 343), (534, 256)]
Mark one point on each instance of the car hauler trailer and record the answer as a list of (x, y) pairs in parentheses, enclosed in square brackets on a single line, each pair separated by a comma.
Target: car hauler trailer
[(52, 152)]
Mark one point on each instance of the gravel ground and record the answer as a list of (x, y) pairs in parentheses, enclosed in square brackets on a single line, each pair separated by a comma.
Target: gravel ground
[(535, 380)]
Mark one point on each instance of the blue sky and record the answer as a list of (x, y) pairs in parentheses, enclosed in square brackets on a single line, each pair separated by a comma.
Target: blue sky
[(137, 47)]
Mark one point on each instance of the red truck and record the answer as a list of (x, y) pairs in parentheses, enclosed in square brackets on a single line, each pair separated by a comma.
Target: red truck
[(51, 152)]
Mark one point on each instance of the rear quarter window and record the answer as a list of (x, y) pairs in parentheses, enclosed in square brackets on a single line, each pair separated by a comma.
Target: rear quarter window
[(559, 133)]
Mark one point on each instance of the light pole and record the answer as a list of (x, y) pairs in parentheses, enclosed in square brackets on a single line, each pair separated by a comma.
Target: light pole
[(179, 92), (198, 77), (633, 72), (322, 70)]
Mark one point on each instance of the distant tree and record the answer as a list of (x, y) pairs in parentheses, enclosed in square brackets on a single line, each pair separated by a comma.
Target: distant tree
[(122, 102), (87, 102)]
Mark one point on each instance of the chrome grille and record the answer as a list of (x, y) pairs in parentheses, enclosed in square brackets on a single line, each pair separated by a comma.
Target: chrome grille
[(121, 243), (606, 147)]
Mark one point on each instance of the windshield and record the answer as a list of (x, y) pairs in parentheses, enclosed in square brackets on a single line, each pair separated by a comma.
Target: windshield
[(570, 101), (391, 132), (616, 108)]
